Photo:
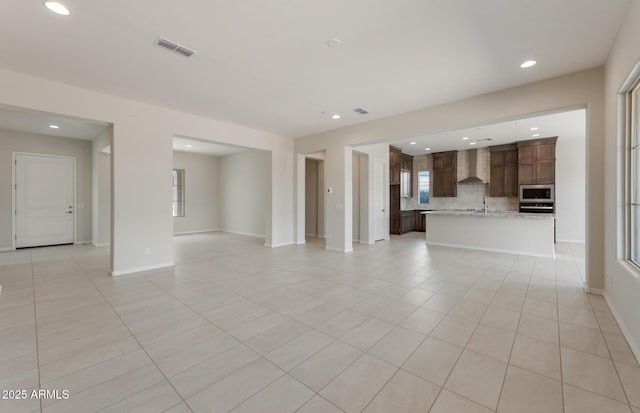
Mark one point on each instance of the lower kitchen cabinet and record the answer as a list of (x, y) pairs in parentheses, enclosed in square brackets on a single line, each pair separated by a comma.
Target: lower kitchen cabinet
[(406, 221), (419, 220)]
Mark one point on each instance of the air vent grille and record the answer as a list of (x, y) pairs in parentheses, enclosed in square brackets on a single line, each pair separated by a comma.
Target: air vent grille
[(175, 47), (361, 111)]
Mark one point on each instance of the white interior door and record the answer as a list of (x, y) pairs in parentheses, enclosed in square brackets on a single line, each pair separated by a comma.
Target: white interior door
[(44, 196), (378, 200)]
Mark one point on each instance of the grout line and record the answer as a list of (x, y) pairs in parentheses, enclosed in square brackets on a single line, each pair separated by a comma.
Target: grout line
[(35, 325), (133, 336)]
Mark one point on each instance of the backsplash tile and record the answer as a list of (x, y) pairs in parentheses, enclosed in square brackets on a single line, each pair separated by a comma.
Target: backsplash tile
[(469, 196)]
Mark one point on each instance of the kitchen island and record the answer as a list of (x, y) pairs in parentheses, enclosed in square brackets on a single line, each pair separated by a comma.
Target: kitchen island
[(509, 232)]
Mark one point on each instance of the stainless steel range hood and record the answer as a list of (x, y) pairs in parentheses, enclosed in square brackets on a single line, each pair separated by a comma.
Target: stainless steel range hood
[(472, 163)]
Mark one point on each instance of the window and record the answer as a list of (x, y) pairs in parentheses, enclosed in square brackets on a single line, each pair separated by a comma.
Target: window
[(423, 187), (178, 192), (633, 136), (405, 184)]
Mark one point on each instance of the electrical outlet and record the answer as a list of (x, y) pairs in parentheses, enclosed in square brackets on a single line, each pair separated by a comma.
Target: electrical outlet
[(147, 251)]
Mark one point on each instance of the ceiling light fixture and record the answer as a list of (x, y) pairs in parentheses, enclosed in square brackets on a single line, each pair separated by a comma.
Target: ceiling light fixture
[(465, 138), (472, 143), (54, 126), (535, 135), (412, 143), (56, 8), (189, 146), (534, 128), (336, 116), (427, 149), (528, 63), (334, 42)]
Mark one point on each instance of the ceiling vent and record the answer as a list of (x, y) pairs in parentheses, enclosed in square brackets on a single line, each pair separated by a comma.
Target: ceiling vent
[(175, 47), (361, 111)]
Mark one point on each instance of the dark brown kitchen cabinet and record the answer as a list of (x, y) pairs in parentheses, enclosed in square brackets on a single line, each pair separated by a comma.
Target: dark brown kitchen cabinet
[(394, 209), (504, 170), (395, 155), (406, 162), (418, 221), (537, 161), (445, 174), (406, 221)]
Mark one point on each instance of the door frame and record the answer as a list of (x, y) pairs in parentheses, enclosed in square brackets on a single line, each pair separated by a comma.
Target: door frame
[(13, 193)]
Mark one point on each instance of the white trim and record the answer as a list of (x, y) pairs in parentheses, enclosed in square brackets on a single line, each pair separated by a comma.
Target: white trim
[(300, 242), (13, 193), (242, 233), (466, 247), (7, 249), (142, 269), (635, 347), (571, 241), (589, 290), (283, 244), (103, 244), (367, 243), (199, 231)]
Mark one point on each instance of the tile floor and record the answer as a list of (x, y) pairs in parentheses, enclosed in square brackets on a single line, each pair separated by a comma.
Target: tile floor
[(238, 327)]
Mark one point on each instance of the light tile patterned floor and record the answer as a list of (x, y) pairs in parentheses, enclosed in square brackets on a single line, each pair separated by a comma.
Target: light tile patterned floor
[(391, 327)]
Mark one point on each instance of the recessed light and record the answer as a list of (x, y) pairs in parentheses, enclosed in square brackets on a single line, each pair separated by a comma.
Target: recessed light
[(412, 143), (534, 128), (472, 143), (189, 146), (464, 138), (427, 149), (528, 63), (54, 126), (535, 135), (336, 116), (334, 42), (56, 8)]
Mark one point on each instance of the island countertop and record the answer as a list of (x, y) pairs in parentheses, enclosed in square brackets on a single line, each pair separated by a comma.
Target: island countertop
[(501, 214)]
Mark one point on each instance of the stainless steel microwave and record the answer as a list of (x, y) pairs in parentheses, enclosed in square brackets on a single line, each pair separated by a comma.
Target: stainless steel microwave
[(537, 193)]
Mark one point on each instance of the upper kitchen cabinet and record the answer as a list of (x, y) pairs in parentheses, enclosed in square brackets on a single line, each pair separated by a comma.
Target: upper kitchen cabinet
[(406, 173), (537, 161), (445, 174), (395, 159), (504, 170)]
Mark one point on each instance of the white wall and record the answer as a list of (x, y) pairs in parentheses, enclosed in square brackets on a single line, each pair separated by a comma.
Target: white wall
[(570, 189), (355, 194), (12, 141), (245, 192), (622, 287), (142, 161), (101, 190), (311, 197), (322, 201), (201, 193), (577, 90)]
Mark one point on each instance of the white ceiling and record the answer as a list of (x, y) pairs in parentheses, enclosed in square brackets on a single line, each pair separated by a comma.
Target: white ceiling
[(565, 125), (38, 122), (204, 148), (265, 64)]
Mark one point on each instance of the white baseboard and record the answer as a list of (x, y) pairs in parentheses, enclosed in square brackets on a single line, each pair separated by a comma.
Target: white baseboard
[(7, 249), (367, 243), (635, 347), (200, 231), (571, 241), (103, 244), (301, 242), (141, 269), (248, 234), (596, 291), (282, 244), (82, 242)]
